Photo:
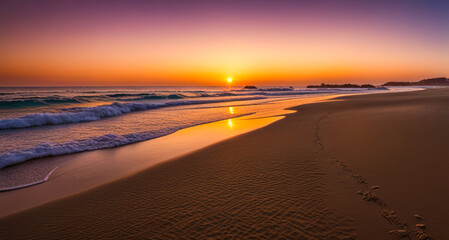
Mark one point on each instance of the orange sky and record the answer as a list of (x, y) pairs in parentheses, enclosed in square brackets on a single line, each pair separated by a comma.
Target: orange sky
[(75, 47)]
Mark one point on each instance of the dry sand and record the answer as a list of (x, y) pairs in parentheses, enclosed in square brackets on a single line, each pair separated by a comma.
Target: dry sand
[(308, 176)]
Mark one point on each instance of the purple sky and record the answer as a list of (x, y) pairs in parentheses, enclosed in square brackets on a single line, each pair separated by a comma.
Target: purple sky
[(202, 42)]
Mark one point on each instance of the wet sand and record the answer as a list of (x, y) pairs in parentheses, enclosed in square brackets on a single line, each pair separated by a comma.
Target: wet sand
[(94, 168), (351, 169)]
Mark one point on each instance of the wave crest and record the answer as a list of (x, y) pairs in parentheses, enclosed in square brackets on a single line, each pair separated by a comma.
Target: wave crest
[(76, 115), (110, 140), (55, 149)]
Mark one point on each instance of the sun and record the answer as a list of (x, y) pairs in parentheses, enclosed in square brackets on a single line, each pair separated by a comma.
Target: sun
[(229, 79)]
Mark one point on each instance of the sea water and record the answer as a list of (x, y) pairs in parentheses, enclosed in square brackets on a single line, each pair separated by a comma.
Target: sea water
[(38, 122)]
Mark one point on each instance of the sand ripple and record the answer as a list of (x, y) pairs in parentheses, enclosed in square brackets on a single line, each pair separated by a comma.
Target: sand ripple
[(248, 188)]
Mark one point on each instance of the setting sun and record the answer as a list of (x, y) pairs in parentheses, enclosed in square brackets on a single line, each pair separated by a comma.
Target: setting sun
[(229, 79)]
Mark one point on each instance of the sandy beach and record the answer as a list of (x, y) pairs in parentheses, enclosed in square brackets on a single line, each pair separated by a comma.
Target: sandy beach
[(361, 167)]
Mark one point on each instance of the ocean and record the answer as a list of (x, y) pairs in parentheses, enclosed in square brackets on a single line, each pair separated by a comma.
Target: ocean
[(38, 122)]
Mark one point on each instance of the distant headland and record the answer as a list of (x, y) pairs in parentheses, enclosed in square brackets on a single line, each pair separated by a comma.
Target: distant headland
[(442, 81), (347, 85)]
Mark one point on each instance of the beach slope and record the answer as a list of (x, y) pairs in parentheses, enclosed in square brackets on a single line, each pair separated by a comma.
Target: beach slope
[(355, 168)]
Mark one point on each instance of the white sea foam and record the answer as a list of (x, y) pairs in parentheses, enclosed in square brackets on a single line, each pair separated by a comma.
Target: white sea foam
[(75, 115), (32, 183), (55, 149), (45, 149)]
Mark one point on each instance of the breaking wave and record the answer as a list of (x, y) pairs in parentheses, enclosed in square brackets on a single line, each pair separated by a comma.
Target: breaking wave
[(55, 149), (105, 141), (88, 114), (25, 102)]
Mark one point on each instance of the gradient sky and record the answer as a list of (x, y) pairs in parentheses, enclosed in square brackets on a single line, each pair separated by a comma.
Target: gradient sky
[(204, 42)]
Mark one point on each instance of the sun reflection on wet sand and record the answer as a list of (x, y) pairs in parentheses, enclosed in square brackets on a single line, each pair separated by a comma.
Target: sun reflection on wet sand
[(231, 125), (98, 167)]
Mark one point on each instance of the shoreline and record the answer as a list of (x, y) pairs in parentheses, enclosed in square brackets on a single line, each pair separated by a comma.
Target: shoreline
[(331, 169), (92, 168)]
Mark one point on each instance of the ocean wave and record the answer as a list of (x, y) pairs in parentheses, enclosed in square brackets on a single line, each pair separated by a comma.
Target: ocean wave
[(55, 149), (35, 102), (26, 102), (88, 114), (158, 96), (106, 141)]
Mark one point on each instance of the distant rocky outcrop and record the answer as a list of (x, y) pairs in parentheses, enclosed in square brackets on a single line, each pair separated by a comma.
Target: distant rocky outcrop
[(442, 81), (268, 89), (250, 87), (347, 85)]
